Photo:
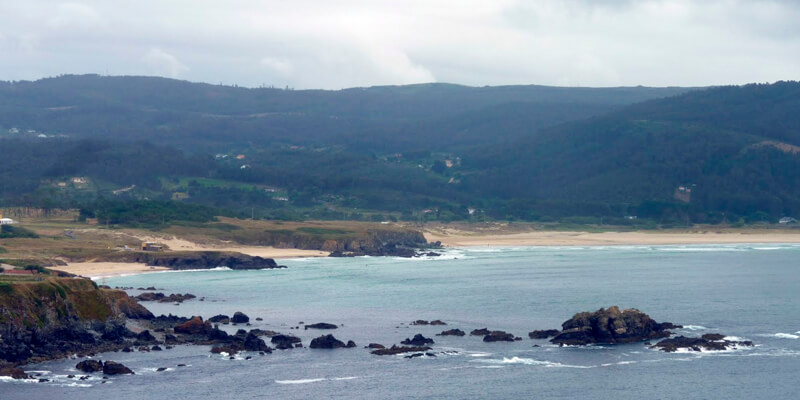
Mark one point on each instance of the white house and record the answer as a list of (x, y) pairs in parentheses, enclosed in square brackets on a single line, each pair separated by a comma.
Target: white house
[(787, 220), (7, 221)]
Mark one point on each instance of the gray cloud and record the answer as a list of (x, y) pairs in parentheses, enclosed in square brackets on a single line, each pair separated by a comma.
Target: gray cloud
[(319, 44)]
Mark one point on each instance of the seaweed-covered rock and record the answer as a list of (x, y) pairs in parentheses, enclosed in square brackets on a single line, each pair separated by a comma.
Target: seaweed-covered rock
[(543, 334), (194, 326)]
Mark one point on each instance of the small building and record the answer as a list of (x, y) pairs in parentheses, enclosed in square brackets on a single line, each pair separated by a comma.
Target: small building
[(7, 221), (151, 246), (787, 220)]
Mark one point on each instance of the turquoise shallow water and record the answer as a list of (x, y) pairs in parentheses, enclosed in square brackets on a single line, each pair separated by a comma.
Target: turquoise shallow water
[(747, 291)]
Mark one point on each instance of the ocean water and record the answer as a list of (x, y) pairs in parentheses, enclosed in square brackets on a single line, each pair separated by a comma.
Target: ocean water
[(747, 291)]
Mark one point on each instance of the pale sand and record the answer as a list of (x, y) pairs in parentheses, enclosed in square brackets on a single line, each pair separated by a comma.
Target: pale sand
[(104, 269), (458, 238)]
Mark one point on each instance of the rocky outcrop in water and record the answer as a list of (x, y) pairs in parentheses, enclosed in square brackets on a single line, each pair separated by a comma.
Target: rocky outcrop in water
[(399, 350), (417, 340), (240, 318), (707, 342), (89, 366), (500, 336), (452, 332), (284, 342), (611, 326), (220, 319), (321, 325), (480, 332), (543, 334), (327, 342), (115, 368)]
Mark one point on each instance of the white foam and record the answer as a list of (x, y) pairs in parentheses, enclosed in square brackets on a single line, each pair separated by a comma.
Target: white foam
[(479, 354), (786, 336), (298, 381), (531, 361), (491, 366), (618, 363), (694, 327), (314, 380), (734, 339)]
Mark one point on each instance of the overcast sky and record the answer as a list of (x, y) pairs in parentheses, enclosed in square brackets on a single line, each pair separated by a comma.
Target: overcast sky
[(334, 44)]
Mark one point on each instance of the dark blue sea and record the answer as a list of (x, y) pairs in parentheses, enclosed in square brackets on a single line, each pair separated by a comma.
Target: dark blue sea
[(750, 292)]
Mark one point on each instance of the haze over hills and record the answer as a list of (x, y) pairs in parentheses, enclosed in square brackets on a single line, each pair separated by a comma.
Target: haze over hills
[(671, 155)]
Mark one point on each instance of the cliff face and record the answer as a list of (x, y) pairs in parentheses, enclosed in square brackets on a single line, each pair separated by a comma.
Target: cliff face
[(55, 317)]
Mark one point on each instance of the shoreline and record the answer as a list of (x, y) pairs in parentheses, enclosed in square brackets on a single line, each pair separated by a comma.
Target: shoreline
[(103, 269), (463, 238)]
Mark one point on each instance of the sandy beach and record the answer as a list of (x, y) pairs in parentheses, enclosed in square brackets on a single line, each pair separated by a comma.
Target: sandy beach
[(460, 238), (106, 269)]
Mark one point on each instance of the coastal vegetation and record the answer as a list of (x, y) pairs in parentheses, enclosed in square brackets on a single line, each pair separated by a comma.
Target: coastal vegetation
[(640, 157)]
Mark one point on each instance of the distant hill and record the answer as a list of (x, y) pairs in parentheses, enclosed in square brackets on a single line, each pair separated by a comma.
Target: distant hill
[(732, 150), (433, 151), (202, 116)]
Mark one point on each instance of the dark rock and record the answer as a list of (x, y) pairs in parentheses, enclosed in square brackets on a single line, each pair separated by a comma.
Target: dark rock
[(216, 334), (480, 332), (438, 322), (127, 350), (145, 336), (206, 260), (399, 350), (609, 326), (254, 343), (240, 318), (321, 325), (543, 334), (284, 342), (415, 355), (144, 349), (89, 366), (452, 332), (420, 322), (156, 348), (499, 336), (220, 319), (350, 344), (376, 346), (326, 342), (417, 340), (114, 368), (710, 341), (43, 380), (194, 326), (161, 369), (713, 337), (13, 372)]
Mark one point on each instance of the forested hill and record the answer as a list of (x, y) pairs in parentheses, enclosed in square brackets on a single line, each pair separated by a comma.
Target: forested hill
[(433, 151), (199, 116), (726, 152)]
